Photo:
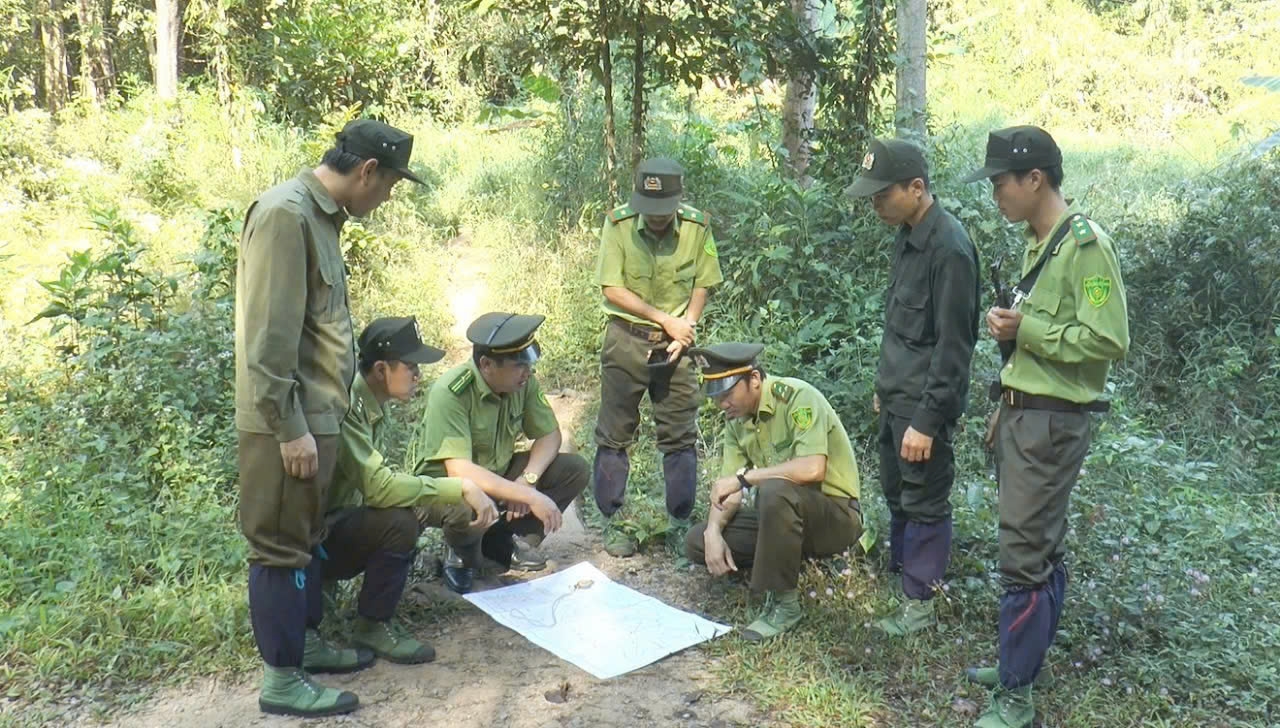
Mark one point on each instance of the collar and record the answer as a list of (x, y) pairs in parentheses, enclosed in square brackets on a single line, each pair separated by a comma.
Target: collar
[(649, 235), (1030, 234), (321, 196), (768, 403), (919, 235), (362, 395), (480, 384)]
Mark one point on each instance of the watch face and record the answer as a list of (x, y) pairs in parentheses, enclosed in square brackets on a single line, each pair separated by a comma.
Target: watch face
[(530, 478)]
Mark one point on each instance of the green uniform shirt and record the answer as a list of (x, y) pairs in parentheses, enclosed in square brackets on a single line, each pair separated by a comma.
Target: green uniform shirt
[(295, 355), (663, 271), (362, 476), (794, 421), (1075, 321), (465, 420)]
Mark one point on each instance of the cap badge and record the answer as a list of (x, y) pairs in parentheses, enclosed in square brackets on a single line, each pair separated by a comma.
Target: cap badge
[(652, 184), (869, 161)]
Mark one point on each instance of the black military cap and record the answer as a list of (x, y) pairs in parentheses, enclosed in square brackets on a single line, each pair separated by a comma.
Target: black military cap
[(659, 187), (396, 338), (507, 334), (721, 366), (1016, 149), (372, 139), (887, 162)]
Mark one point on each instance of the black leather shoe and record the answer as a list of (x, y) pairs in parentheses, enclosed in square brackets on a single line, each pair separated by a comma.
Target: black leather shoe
[(525, 555), (457, 575)]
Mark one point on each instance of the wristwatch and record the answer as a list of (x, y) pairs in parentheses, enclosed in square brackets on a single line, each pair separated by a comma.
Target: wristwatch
[(530, 478), (742, 478)]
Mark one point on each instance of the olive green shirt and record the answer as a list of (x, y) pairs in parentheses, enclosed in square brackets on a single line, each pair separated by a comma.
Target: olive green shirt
[(295, 355), (466, 420), (362, 476), (793, 421), (662, 270), (1075, 322)]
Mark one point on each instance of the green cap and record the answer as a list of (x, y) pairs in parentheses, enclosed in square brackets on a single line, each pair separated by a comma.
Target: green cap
[(396, 338), (1016, 149), (659, 187), (372, 139), (721, 366), (508, 335), (888, 161)]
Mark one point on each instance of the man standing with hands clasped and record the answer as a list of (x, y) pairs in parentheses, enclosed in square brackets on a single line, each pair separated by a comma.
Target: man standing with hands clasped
[(922, 386), (1068, 322)]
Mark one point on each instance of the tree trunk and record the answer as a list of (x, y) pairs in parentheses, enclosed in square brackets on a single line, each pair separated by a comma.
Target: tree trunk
[(610, 127), (56, 83), (168, 33), (801, 101), (97, 72), (909, 116), (637, 90)]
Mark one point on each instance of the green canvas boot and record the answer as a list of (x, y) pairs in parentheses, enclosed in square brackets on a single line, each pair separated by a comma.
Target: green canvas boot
[(913, 616), (291, 691), (319, 655), (617, 542), (989, 677), (782, 612), (677, 529), (1009, 709), (391, 642)]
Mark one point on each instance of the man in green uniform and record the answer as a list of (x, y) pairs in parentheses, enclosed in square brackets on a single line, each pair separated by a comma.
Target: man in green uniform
[(657, 263), (376, 514), (295, 360), (1067, 323), (474, 414), (922, 386), (786, 449)]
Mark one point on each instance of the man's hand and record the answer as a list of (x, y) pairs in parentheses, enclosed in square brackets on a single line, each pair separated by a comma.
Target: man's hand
[(916, 446), (723, 489), (300, 458), (679, 329), (875, 403), (1002, 324), (674, 350), (486, 510), (989, 439), (545, 510), (719, 558)]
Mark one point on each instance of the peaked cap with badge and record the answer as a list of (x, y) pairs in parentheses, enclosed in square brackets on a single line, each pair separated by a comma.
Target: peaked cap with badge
[(659, 186), (372, 139), (1016, 149), (723, 365), (509, 335), (396, 338), (887, 162)]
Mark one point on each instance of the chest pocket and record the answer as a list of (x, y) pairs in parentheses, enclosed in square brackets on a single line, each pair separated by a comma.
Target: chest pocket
[(327, 299), (1047, 304), (909, 316), (637, 271), (515, 423)]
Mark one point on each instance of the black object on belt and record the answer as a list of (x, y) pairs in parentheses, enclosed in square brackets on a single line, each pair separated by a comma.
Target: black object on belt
[(1022, 400), (648, 333)]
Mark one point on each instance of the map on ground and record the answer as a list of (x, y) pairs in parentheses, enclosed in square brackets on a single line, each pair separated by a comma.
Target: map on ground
[(583, 617)]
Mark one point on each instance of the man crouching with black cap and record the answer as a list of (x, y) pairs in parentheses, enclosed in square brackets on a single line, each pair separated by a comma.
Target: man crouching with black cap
[(375, 514)]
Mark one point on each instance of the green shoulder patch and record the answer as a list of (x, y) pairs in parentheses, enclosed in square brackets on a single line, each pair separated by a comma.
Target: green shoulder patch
[(542, 397), (1097, 289), (621, 213), (802, 418), (710, 247), (692, 215), (1082, 231), (462, 381), (783, 391)]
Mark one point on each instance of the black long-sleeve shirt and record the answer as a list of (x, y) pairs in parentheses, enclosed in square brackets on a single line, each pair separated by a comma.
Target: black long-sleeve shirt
[(931, 323)]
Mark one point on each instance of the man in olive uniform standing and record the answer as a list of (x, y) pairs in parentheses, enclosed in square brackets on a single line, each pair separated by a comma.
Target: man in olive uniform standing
[(657, 264), (475, 412), (1068, 322), (786, 449), (294, 365), (376, 514), (922, 386)]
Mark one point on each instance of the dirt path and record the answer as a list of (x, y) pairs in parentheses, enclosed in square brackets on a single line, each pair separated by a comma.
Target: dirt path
[(485, 674)]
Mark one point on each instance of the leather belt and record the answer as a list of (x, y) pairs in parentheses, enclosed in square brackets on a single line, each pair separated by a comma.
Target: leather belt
[(1022, 400), (648, 333)]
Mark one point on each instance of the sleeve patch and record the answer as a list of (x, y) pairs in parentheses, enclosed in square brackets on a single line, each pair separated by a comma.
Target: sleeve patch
[(710, 248), (802, 418), (1097, 289)]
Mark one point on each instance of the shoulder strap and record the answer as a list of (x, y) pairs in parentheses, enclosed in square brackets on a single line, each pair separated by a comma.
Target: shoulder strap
[(1023, 289), (621, 213)]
